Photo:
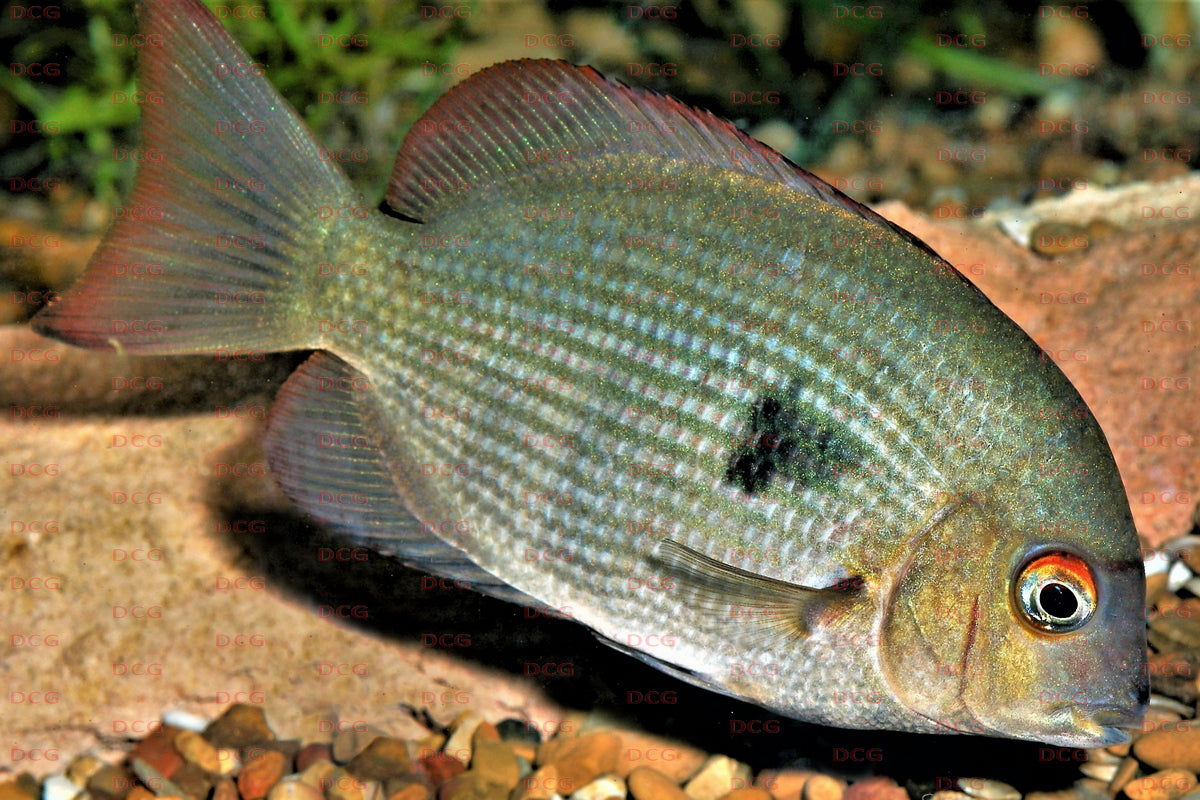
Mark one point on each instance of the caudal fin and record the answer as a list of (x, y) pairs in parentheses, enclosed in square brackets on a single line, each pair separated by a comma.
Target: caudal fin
[(225, 207)]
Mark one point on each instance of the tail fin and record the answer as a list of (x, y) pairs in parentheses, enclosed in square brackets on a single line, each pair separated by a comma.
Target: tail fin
[(224, 207)]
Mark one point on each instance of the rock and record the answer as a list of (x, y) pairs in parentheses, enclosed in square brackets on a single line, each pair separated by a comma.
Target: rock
[(1101, 772), (1163, 719), (349, 742), (604, 787), (163, 785), (495, 762), (260, 774), (11, 790), (372, 790), (486, 732), (185, 720), (58, 787), (1176, 628), (289, 748), (195, 782), (440, 767), (1170, 749), (293, 789), (875, 788), (462, 787), (311, 753), (824, 787), (383, 758), (1062, 794), (471, 786), (526, 754), (399, 783), (426, 745), (1174, 674), (341, 785), (319, 774), (239, 726), (948, 794), (83, 768), (784, 784), (582, 759), (462, 729), (158, 750), (748, 793), (140, 792), (1091, 789), (542, 785), (1120, 750), (412, 791), (1124, 774), (229, 762), (226, 789), (197, 750), (110, 783), (1163, 703), (986, 789), (1156, 586), (718, 777), (647, 783), (1167, 784), (676, 760)]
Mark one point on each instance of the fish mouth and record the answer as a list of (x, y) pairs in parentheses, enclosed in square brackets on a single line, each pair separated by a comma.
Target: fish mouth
[(1096, 726)]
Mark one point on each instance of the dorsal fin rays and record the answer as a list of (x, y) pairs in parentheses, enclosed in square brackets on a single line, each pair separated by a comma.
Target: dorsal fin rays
[(484, 129)]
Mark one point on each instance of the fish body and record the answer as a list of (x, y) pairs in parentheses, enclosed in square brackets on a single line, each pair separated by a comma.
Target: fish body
[(737, 424)]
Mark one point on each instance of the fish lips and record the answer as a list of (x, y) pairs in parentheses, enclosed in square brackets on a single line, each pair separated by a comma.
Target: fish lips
[(1085, 726)]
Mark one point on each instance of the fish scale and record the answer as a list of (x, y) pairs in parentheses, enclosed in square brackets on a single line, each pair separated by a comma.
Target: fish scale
[(898, 539)]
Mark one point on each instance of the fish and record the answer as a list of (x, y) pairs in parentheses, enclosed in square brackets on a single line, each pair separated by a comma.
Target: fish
[(603, 353)]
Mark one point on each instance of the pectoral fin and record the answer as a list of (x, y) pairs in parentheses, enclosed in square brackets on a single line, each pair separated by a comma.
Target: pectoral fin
[(775, 609)]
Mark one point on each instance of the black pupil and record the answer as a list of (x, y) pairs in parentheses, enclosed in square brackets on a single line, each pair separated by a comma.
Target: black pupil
[(1058, 601)]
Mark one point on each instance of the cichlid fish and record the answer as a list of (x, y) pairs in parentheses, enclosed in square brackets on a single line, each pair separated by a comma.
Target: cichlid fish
[(607, 351)]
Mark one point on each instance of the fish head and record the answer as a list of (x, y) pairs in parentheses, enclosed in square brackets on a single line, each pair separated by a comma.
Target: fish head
[(994, 626)]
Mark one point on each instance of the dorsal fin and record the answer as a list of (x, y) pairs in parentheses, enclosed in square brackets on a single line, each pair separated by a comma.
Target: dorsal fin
[(480, 132)]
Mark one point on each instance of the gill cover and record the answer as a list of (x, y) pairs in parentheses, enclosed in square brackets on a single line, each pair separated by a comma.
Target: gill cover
[(935, 629)]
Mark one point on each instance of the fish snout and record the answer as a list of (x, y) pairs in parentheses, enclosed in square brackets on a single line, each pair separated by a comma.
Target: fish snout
[(1089, 726), (1113, 725)]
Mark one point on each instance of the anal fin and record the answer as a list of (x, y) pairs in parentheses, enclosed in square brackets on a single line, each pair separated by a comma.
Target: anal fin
[(333, 455)]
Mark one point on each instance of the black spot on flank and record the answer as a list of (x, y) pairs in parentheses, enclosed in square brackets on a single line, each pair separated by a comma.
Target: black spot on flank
[(785, 436), (749, 472), (754, 464)]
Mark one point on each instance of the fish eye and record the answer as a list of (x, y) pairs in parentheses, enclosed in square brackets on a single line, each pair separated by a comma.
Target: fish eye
[(1056, 592)]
